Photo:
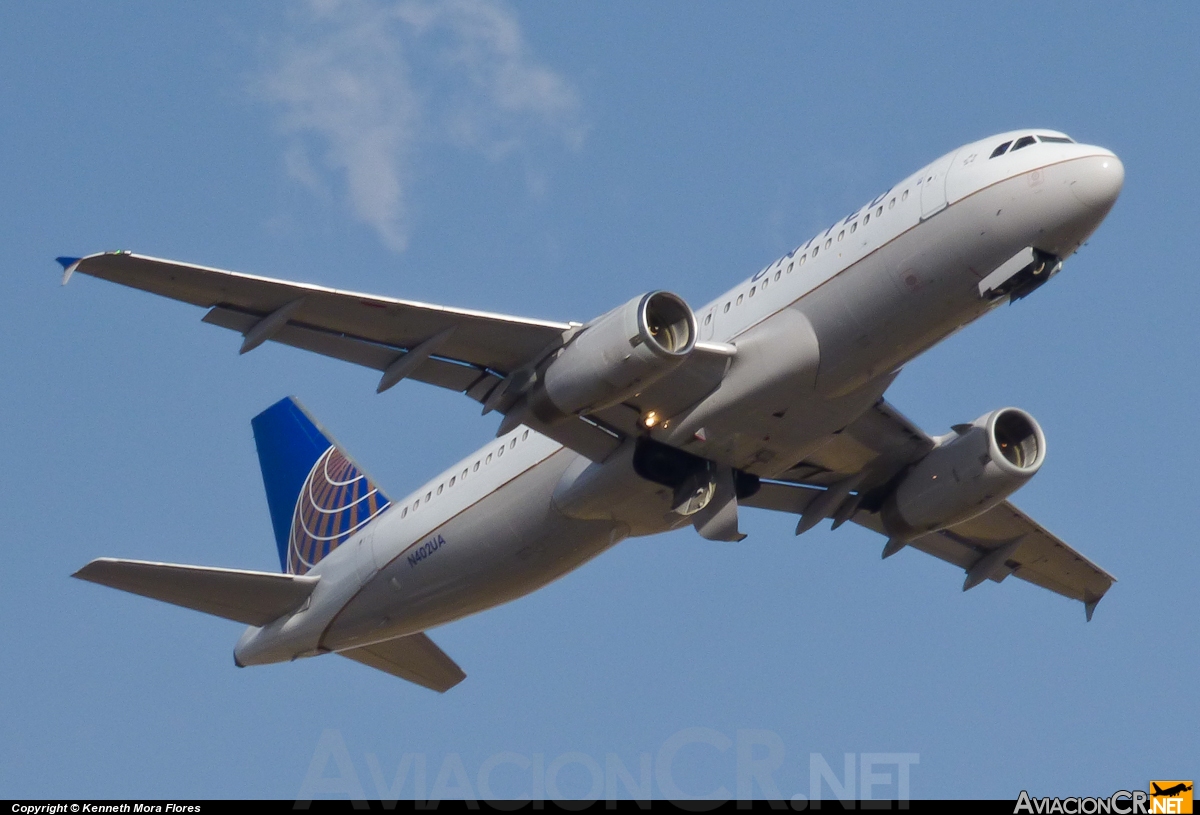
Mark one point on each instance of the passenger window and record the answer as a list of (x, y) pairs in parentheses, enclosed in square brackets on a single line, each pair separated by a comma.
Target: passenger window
[(452, 480), (904, 195), (777, 274), (891, 203), (464, 475), (790, 265), (476, 467), (708, 318), (488, 460), (416, 504), (828, 242), (739, 300), (879, 211), (999, 151), (815, 250), (525, 435), (841, 235), (512, 443), (854, 226), (726, 308), (404, 512), (752, 288), (866, 219), (500, 452), (428, 497), (803, 258), (1024, 141), (440, 489)]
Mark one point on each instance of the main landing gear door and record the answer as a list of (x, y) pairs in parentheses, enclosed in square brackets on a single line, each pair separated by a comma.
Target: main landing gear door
[(718, 520), (704, 491)]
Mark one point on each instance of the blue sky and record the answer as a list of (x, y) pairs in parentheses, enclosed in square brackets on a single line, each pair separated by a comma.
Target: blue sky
[(553, 160)]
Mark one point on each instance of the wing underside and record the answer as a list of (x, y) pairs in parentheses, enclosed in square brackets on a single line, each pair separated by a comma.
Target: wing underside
[(1000, 542), (471, 352)]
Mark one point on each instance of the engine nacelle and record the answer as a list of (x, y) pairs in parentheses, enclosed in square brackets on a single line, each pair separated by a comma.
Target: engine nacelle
[(619, 354), (967, 474)]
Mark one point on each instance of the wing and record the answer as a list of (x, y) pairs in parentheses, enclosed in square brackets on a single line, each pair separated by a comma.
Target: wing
[(471, 352), (1002, 541), (414, 658), (361, 328)]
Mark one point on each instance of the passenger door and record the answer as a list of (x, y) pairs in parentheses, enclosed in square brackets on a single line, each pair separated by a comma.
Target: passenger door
[(933, 186)]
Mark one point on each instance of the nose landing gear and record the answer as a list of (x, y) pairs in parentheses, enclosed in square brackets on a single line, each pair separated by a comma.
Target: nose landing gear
[(1020, 276)]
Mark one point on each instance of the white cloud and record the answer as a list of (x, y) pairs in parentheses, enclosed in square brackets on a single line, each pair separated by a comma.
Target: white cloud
[(361, 85)]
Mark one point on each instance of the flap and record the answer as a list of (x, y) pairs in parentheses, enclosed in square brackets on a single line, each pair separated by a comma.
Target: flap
[(414, 658), (253, 598), (882, 440), (792, 498)]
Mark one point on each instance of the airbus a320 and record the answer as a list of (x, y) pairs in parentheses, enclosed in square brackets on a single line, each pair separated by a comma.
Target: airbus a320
[(651, 417)]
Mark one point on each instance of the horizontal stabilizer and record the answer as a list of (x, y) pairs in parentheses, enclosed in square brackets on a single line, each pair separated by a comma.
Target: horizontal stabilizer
[(414, 658), (254, 598)]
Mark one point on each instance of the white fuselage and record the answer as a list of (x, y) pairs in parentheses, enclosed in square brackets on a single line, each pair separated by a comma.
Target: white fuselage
[(820, 334)]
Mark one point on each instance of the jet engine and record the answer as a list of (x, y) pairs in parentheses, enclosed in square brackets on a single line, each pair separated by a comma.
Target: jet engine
[(618, 355), (966, 474)]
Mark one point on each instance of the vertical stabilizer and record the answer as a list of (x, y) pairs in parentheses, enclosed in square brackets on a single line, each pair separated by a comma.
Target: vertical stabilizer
[(317, 494)]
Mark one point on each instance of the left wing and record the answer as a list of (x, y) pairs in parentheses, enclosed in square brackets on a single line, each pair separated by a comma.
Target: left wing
[(1003, 541), (991, 546)]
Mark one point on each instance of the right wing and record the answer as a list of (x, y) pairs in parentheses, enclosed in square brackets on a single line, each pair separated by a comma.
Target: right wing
[(471, 352), (361, 328), (414, 658)]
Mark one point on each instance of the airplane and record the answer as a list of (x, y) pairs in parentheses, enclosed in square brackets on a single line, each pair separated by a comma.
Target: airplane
[(1170, 792), (651, 417)]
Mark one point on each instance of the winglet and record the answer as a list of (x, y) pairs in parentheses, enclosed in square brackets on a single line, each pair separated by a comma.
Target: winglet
[(69, 266), (1089, 606)]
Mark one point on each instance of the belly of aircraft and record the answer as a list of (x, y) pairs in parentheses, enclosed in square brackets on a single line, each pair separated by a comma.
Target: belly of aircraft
[(507, 545)]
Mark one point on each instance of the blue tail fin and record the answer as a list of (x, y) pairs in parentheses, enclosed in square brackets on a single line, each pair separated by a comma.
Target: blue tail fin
[(318, 496)]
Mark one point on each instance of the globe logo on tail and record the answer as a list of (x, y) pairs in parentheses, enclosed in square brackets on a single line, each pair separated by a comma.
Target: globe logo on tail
[(336, 501)]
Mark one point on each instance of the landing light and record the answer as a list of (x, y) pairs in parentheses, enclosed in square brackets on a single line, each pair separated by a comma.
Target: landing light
[(650, 419)]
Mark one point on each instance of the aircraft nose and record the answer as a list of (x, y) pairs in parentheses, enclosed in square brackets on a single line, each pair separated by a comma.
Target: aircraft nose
[(1098, 181)]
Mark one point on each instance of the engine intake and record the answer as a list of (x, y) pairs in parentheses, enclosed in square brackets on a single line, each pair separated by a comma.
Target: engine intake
[(966, 474), (617, 355)]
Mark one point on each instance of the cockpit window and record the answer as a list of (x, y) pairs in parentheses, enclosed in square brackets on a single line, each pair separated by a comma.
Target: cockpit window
[(1056, 139), (1024, 141), (999, 151)]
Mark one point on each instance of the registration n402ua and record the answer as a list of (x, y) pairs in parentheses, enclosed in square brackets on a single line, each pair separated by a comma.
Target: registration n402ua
[(650, 417)]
